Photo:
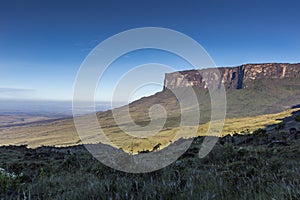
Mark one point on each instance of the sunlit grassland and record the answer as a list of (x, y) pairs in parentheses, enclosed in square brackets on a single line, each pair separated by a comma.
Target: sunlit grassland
[(248, 124), (63, 133)]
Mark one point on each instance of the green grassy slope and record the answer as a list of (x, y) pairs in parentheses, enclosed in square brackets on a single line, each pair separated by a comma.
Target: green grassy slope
[(263, 96)]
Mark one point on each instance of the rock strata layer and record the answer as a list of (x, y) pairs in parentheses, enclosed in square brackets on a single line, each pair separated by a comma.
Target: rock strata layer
[(231, 77)]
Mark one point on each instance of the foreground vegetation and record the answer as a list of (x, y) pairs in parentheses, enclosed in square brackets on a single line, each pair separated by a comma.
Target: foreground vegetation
[(246, 170)]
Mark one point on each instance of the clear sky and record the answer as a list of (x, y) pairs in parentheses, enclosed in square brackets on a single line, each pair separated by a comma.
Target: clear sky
[(43, 43)]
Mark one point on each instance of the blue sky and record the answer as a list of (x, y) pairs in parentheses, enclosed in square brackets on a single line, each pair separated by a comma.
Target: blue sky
[(43, 43)]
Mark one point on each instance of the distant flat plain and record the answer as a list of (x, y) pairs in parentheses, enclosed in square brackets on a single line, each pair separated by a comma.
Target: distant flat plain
[(20, 112)]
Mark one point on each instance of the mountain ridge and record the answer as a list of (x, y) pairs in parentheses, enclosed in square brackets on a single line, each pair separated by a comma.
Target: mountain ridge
[(231, 77)]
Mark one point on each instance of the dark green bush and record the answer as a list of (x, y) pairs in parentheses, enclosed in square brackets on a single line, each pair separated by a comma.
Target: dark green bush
[(297, 118)]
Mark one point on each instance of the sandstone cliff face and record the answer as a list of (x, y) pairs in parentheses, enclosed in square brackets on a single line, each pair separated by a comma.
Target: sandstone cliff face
[(231, 77)]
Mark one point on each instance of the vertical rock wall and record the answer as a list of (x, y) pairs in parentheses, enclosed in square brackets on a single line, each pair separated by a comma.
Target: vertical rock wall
[(231, 77)]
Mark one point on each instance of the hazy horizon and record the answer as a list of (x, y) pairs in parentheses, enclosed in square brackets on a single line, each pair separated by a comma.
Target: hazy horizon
[(46, 107)]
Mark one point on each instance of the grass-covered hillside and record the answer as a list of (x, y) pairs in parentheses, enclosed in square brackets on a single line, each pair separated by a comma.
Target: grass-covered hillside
[(263, 96), (259, 105)]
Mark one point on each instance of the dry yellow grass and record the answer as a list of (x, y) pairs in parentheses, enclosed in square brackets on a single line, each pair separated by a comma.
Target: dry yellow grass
[(251, 124), (63, 132)]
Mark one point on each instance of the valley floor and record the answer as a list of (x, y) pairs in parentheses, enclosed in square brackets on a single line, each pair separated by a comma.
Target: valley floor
[(62, 132)]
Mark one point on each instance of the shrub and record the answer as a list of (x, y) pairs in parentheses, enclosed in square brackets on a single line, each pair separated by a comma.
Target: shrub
[(280, 127), (8, 181), (297, 118), (259, 132)]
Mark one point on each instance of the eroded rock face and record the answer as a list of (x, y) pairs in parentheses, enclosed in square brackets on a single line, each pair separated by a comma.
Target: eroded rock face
[(231, 77)]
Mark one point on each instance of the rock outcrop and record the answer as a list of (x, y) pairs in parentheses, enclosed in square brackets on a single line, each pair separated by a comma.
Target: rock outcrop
[(231, 77)]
